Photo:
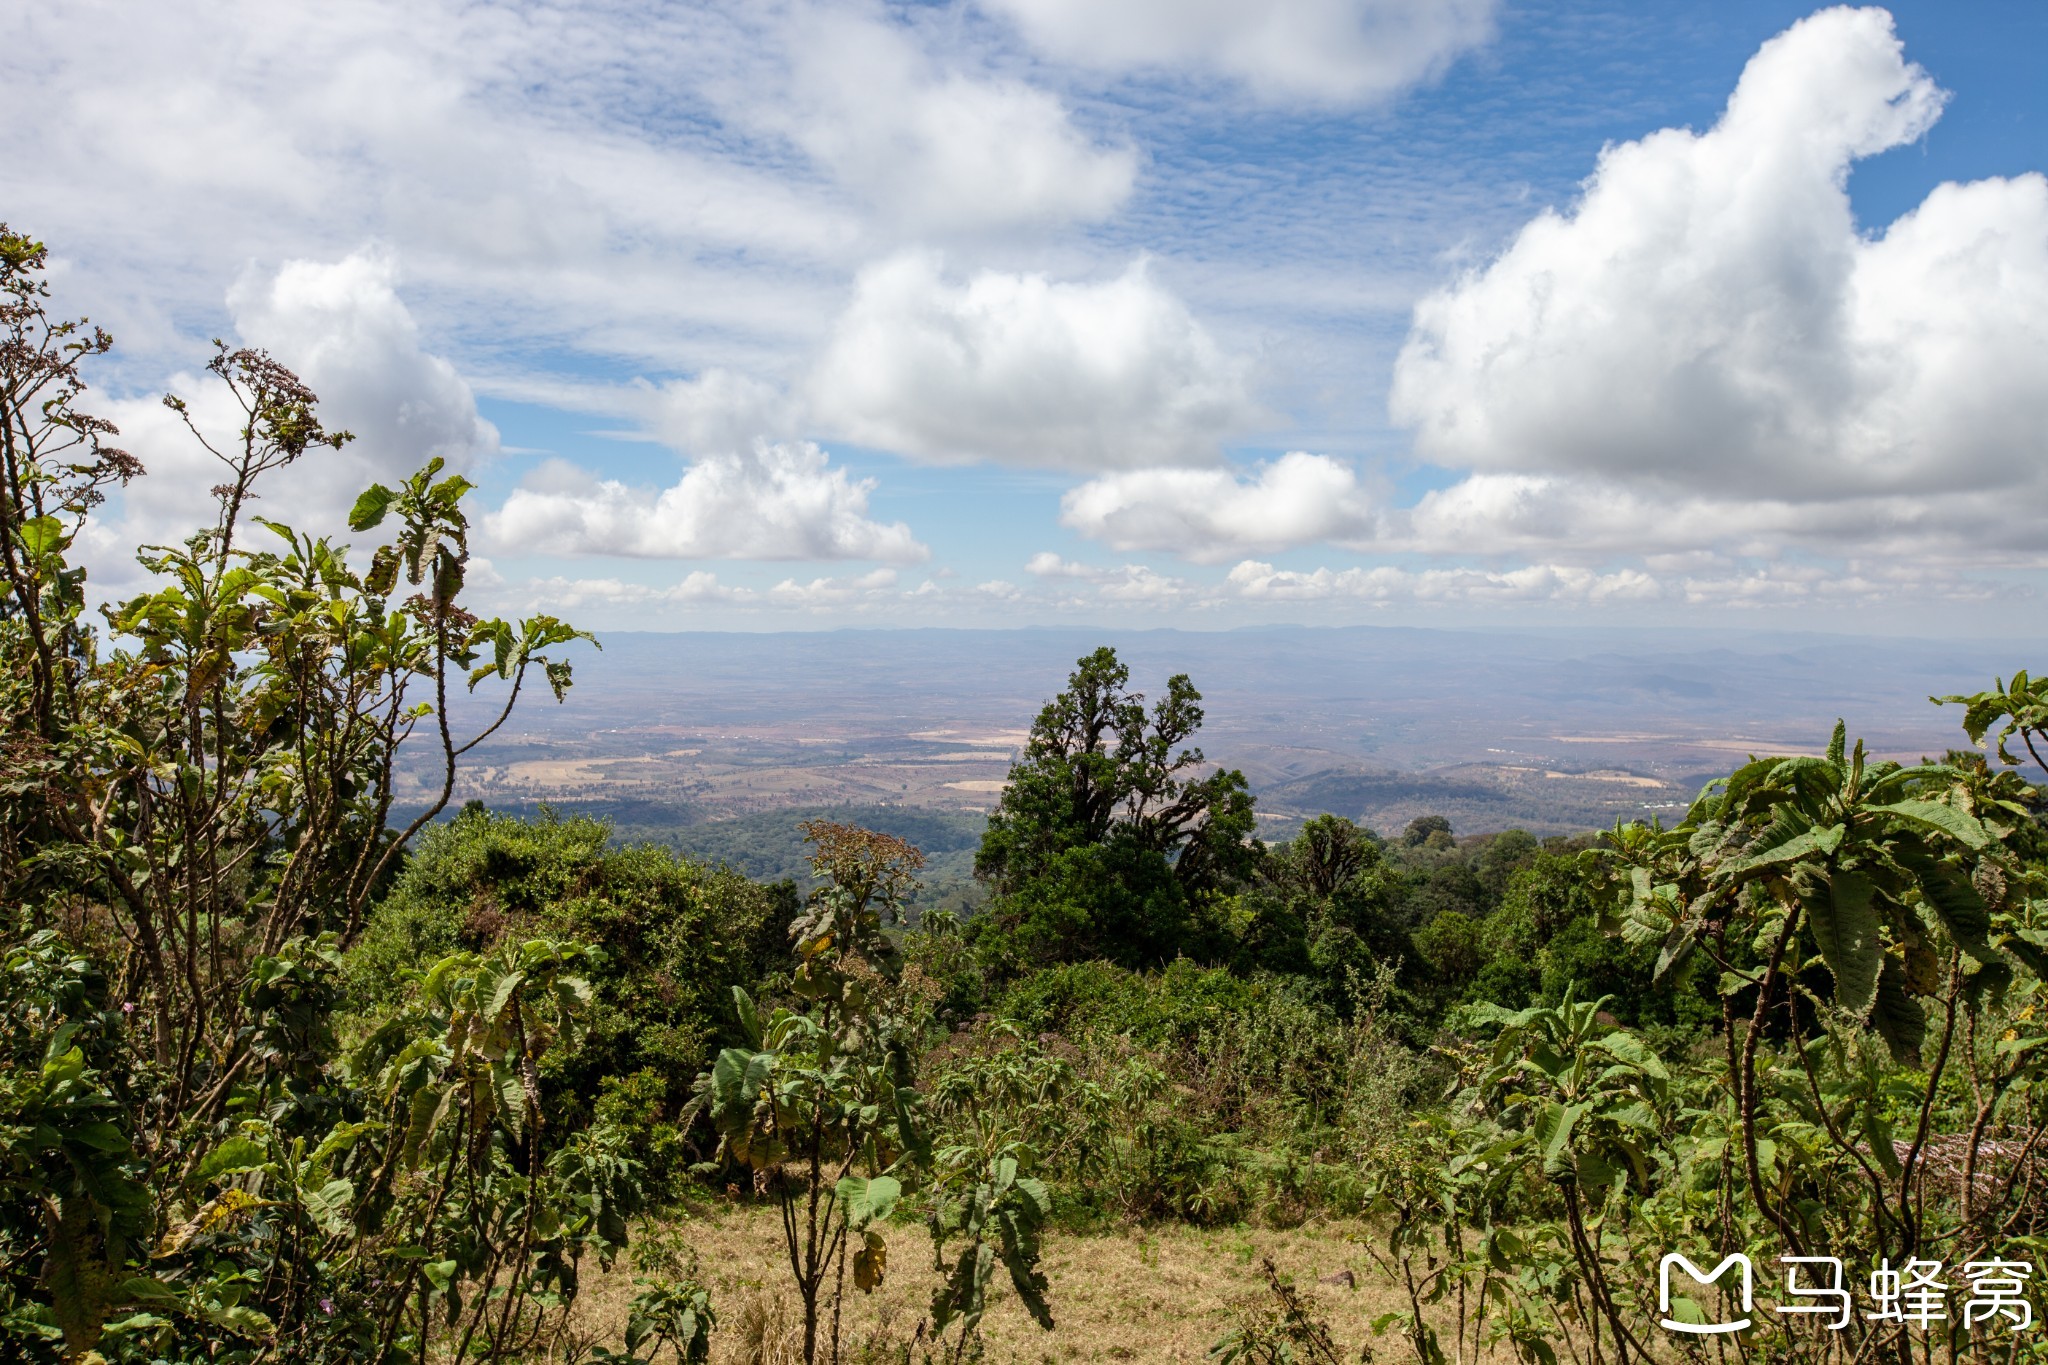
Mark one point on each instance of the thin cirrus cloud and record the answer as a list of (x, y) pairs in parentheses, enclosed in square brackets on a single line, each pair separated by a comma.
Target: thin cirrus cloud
[(1019, 369), (1324, 51), (775, 500), (679, 184), (1707, 346)]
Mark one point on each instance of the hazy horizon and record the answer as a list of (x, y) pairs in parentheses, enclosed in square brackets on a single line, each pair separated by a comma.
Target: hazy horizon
[(1555, 730)]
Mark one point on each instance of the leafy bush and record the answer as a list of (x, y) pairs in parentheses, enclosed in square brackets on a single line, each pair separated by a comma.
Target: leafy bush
[(669, 940), (1188, 1093)]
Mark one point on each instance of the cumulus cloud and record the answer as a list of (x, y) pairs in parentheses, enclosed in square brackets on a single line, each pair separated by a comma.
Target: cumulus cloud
[(1331, 51), (939, 149), (1046, 564), (1023, 370), (1210, 515), (824, 593), (343, 328), (719, 410), (1132, 584), (1706, 345), (775, 501)]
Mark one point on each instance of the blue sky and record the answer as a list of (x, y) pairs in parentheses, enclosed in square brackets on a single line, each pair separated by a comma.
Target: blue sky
[(818, 312)]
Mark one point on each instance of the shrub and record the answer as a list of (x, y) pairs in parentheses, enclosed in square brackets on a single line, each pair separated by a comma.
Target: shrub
[(669, 940)]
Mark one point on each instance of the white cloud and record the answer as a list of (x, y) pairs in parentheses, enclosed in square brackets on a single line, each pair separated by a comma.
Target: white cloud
[(933, 148), (1046, 564), (719, 411), (1322, 50), (343, 328), (699, 588), (1023, 370), (1705, 350), (681, 185), (1210, 515), (822, 594), (776, 501), (1388, 584), (541, 165), (1131, 584)]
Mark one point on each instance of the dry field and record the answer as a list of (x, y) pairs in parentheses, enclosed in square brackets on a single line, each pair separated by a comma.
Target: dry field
[(1146, 1294)]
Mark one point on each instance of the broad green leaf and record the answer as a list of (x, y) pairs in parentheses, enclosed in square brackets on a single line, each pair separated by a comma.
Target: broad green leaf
[(143, 1289), (1630, 1049), (750, 1018), (41, 536), (1844, 920), (728, 1075), (100, 1136), (370, 507), (329, 1206), (1677, 947), (1554, 1126), (1961, 826), (1954, 901), (1898, 1017), (420, 1121), (868, 1201), (502, 993), (1595, 1173), (246, 1322), (236, 1154), (1822, 841), (511, 1097)]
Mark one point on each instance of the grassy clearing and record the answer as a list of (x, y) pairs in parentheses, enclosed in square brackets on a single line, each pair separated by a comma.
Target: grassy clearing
[(1161, 1293)]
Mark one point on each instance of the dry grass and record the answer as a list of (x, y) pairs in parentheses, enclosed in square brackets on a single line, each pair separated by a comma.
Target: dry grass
[(1149, 1294)]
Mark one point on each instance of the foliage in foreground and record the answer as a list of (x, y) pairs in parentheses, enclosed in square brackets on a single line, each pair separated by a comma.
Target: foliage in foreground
[(195, 816)]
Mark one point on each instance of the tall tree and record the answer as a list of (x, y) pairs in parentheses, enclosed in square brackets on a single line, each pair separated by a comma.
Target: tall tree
[(1109, 833)]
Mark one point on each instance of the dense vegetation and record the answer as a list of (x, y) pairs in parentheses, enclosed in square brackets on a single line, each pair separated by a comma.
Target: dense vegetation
[(282, 1078)]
